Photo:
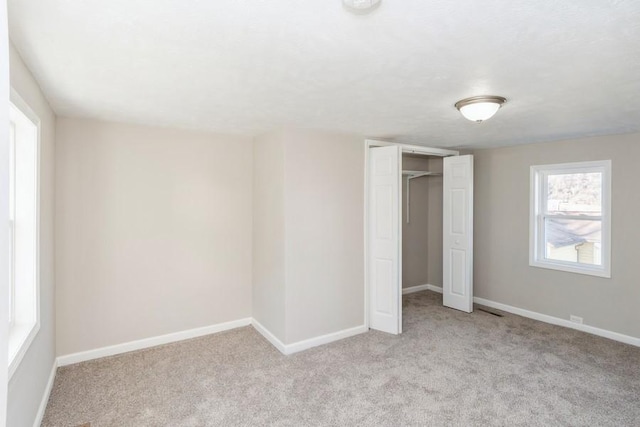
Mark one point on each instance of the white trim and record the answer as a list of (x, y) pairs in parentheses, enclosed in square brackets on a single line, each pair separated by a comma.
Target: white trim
[(560, 322), (413, 289), (45, 397), (420, 288), (23, 106), (269, 336), (207, 330), (16, 329), (540, 317), (398, 291), (365, 322), (427, 287), (415, 149), (435, 288), (299, 346), (324, 339), (150, 342)]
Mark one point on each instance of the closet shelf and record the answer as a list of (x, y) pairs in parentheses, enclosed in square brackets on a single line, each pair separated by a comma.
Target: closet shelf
[(416, 174)]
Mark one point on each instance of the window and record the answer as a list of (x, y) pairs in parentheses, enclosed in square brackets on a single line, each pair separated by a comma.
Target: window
[(24, 317), (571, 217)]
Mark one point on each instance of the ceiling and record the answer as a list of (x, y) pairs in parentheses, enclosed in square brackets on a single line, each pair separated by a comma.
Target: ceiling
[(568, 69)]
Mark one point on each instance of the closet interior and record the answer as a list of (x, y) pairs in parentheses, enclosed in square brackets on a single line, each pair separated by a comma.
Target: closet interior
[(421, 220)]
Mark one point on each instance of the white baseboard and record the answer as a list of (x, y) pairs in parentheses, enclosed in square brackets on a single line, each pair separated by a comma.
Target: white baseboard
[(45, 397), (413, 289), (539, 316), (419, 288), (558, 321), (150, 342), (198, 332), (435, 288), (325, 339), (309, 343), (269, 336), (296, 347)]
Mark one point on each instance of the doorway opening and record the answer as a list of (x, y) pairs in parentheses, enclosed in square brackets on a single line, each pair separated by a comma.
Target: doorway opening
[(418, 232), (421, 222)]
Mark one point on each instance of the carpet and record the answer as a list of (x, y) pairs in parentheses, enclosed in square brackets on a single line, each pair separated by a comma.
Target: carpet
[(448, 368)]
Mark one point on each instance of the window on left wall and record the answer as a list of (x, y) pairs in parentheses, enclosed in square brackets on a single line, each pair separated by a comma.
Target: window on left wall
[(24, 218)]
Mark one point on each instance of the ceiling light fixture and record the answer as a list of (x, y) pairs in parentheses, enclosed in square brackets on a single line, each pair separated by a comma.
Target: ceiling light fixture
[(360, 6), (480, 108)]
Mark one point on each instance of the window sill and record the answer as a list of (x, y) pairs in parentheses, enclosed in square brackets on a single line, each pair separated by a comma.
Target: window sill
[(598, 272), (21, 335)]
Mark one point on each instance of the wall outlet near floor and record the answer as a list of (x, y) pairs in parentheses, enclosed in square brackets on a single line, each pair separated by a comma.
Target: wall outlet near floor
[(575, 319)]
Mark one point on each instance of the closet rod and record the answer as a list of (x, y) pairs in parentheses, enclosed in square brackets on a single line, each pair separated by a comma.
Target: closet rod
[(415, 174)]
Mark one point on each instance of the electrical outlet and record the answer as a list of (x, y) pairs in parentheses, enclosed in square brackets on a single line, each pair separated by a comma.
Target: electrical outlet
[(575, 319)]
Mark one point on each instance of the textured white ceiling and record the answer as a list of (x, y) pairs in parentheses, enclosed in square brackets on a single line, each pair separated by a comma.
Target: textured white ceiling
[(568, 68)]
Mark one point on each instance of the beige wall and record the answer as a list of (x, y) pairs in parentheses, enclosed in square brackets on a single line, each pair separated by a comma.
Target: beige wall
[(501, 251), (415, 234), (28, 383), (422, 237), (308, 264), (434, 208), (324, 211), (268, 234), (154, 232)]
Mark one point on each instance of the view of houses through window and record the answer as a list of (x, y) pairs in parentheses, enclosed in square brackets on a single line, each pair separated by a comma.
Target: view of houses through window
[(574, 239), (570, 217)]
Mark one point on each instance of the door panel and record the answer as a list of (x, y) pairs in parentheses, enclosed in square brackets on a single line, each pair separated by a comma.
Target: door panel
[(383, 283), (457, 228), (385, 301), (384, 212), (458, 211), (457, 272)]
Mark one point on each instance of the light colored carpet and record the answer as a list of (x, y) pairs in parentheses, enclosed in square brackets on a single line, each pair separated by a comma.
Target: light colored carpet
[(447, 369)]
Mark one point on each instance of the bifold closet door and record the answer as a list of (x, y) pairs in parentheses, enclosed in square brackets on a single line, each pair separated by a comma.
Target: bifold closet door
[(457, 286), (385, 293)]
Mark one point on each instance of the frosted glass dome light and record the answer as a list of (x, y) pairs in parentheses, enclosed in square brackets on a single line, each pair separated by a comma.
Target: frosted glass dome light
[(480, 108), (360, 6)]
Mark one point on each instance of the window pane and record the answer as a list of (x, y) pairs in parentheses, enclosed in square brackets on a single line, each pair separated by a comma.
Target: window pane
[(24, 225), (573, 240), (575, 194)]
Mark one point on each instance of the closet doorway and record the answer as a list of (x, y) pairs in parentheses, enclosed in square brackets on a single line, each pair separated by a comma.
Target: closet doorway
[(436, 218)]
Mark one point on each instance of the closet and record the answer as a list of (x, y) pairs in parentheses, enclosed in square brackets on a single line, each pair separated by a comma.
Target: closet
[(421, 221), (419, 228)]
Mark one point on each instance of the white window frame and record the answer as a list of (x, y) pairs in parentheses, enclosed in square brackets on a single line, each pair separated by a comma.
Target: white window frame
[(538, 192), (21, 336), (12, 217)]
